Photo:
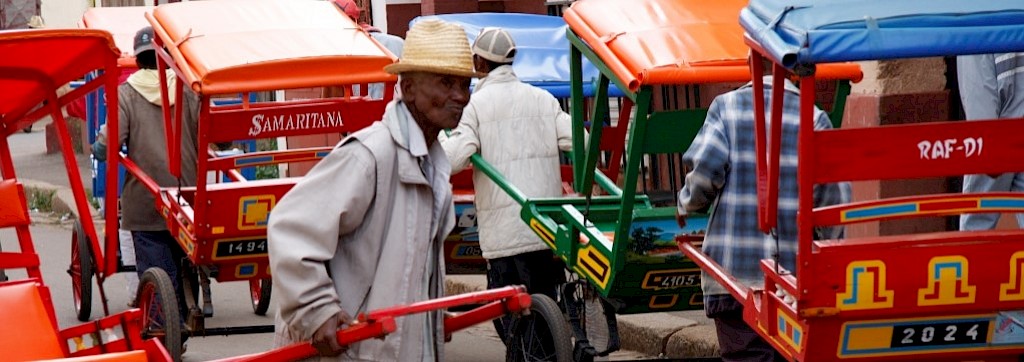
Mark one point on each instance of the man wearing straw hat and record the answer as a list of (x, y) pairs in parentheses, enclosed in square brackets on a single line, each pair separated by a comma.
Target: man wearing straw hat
[(364, 229)]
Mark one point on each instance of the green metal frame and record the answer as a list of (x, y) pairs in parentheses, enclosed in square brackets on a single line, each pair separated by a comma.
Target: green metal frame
[(575, 227)]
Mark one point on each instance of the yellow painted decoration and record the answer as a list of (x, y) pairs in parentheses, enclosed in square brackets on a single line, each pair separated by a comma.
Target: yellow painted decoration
[(1014, 289), (217, 230), (789, 331), (254, 211), (663, 301), (595, 265), (189, 244), (246, 270), (543, 232), (868, 338), (865, 287), (947, 282)]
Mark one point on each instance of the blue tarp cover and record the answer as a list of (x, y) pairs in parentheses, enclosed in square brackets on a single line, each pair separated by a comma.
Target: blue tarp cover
[(797, 32), (542, 48)]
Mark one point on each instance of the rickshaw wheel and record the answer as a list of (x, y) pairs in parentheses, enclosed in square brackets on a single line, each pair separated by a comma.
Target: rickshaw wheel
[(543, 335), (159, 305), (259, 290), (81, 271)]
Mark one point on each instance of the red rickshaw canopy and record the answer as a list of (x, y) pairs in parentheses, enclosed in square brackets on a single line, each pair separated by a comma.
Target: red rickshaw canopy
[(34, 63)]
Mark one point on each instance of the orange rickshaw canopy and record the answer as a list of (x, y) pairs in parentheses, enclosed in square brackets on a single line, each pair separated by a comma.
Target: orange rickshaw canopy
[(122, 22), (671, 41), (232, 46)]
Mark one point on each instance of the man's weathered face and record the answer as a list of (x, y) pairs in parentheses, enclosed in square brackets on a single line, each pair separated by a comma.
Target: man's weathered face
[(435, 100)]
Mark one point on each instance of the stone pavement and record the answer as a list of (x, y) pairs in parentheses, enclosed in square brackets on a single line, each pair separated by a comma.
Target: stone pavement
[(676, 335)]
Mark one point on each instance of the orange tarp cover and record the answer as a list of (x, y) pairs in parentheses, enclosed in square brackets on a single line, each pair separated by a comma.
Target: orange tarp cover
[(122, 22), (34, 63), (231, 46), (669, 41)]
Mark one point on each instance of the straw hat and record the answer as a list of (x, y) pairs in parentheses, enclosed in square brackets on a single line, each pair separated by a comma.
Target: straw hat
[(435, 46)]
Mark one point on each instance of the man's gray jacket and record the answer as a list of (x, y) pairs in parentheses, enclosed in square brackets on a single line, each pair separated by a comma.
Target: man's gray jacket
[(357, 234)]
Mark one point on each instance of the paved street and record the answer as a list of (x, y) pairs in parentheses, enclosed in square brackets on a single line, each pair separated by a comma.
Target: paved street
[(232, 308), (51, 234)]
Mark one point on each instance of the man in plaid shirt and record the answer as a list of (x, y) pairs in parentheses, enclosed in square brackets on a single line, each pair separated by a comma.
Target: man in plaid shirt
[(722, 160)]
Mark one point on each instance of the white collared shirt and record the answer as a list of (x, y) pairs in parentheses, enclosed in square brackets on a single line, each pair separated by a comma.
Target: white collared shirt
[(418, 148)]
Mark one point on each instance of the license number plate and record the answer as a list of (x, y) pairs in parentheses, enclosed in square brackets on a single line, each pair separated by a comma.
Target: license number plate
[(238, 248), (939, 333)]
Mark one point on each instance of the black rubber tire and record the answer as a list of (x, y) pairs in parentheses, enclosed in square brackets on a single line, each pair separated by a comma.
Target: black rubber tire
[(81, 271), (543, 335), (159, 305), (259, 290)]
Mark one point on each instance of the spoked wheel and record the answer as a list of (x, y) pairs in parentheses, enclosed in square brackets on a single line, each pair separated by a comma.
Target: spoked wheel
[(81, 271), (159, 307), (259, 290), (592, 320), (543, 335)]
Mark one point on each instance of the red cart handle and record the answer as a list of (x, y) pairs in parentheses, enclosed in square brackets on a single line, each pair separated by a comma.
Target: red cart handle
[(381, 322)]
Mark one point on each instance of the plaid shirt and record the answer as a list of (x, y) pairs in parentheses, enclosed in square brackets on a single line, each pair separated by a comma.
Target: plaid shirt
[(722, 160)]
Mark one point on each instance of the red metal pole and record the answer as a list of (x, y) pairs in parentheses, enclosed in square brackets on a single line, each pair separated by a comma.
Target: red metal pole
[(805, 173), (110, 209), (760, 138)]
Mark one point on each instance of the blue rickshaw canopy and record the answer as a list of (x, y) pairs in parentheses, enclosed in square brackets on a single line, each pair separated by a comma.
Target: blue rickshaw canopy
[(796, 32), (542, 48)]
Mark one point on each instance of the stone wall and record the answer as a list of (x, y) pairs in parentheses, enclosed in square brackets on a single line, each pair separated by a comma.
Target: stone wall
[(899, 92), (63, 13)]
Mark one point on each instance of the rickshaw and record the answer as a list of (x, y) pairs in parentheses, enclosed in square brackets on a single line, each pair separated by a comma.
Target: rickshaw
[(949, 295), (121, 23), (620, 242), (222, 226), (33, 66)]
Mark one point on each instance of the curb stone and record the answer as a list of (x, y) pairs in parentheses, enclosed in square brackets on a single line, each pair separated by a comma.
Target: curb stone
[(63, 202)]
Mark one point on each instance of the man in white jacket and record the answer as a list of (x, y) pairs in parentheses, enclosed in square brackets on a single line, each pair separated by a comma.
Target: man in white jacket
[(519, 129)]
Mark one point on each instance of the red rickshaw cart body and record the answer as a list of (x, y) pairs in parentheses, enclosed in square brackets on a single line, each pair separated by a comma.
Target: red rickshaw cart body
[(951, 295), (33, 65), (226, 48)]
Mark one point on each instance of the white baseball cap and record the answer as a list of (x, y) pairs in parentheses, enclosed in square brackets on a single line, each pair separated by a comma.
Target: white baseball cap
[(495, 44)]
